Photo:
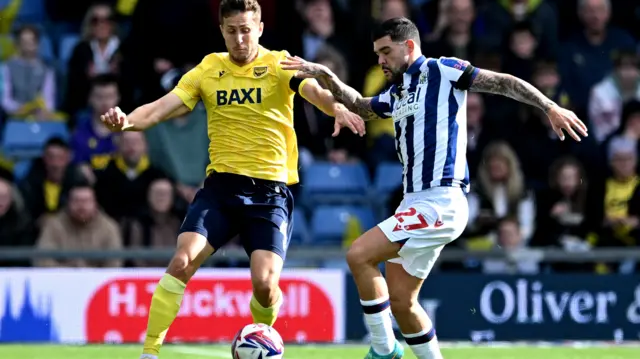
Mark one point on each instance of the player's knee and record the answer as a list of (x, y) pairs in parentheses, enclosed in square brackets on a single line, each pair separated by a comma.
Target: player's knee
[(193, 250), (357, 255), (180, 266), (265, 275), (402, 305), (265, 287)]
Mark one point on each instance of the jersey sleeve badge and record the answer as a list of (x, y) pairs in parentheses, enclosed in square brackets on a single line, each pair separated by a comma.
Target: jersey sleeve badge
[(455, 63)]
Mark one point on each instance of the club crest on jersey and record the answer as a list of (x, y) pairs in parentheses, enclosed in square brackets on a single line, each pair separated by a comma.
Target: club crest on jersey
[(423, 78), (259, 71)]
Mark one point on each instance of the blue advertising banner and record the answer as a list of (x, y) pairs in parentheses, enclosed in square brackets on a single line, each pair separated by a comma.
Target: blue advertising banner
[(547, 307)]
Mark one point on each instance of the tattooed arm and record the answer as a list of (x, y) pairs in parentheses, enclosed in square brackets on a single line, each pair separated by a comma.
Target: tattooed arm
[(510, 86), (351, 98), (344, 94), (562, 120)]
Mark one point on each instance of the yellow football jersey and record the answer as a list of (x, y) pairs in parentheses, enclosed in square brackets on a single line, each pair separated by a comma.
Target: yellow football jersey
[(617, 195), (249, 113)]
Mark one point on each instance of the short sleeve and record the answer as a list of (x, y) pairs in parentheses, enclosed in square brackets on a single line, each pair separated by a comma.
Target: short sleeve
[(288, 76), (188, 89), (381, 104), (285, 75), (458, 71)]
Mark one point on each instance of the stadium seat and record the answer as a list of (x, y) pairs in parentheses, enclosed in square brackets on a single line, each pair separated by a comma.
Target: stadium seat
[(325, 183), (21, 169), (388, 177), (31, 12), (67, 44), (46, 49), (26, 139), (328, 222), (300, 230)]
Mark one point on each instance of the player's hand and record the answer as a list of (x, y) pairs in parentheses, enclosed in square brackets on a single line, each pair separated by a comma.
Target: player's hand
[(305, 69), (115, 119), (563, 119), (346, 118)]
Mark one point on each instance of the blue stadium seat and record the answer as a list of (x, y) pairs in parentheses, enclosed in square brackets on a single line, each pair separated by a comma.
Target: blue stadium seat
[(300, 232), (21, 169), (46, 49), (325, 182), (388, 177), (26, 139), (328, 222), (67, 44), (31, 12)]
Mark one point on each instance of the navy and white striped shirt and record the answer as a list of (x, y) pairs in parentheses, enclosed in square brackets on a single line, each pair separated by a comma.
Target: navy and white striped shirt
[(429, 112)]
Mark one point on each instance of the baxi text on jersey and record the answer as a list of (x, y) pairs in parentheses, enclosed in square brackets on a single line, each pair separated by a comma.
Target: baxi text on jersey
[(407, 105), (239, 96)]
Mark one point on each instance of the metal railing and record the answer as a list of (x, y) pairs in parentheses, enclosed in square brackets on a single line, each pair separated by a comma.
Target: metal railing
[(319, 254)]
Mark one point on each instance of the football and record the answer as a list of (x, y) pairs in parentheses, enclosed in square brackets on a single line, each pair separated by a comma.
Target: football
[(257, 341)]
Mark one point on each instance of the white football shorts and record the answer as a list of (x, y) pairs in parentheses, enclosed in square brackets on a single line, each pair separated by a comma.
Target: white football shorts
[(423, 224)]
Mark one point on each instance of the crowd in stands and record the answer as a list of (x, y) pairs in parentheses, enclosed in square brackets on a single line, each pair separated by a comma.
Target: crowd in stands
[(68, 183)]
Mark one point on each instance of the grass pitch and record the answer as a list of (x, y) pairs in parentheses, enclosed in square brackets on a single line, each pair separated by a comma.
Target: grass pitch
[(311, 352)]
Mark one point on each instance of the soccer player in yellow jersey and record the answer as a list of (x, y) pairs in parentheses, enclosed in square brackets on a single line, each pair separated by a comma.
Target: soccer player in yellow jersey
[(254, 156)]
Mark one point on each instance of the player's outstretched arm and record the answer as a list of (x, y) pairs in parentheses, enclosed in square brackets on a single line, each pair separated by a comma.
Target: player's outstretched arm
[(520, 90), (167, 107), (351, 98), (510, 86), (324, 100), (319, 97)]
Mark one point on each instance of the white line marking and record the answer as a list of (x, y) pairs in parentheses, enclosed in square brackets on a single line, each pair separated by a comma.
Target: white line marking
[(212, 353), (216, 352)]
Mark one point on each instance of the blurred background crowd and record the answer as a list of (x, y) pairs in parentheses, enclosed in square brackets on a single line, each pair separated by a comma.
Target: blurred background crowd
[(67, 183)]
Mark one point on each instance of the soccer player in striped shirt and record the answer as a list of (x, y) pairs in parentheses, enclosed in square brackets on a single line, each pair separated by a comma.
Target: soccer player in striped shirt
[(427, 103), (253, 157)]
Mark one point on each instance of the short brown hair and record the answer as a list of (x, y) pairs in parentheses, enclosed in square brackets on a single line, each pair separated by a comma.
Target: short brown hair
[(230, 7), (328, 53), (545, 64), (29, 28), (626, 57)]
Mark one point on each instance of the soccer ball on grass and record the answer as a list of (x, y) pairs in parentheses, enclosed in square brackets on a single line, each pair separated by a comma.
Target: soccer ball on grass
[(257, 341)]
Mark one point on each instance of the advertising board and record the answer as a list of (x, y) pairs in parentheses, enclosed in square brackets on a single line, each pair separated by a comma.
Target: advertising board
[(505, 308), (111, 305)]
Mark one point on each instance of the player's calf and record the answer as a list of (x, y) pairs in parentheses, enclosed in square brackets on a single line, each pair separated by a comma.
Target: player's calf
[(408, 313), (265, 303), (363, 258), (416, 327)]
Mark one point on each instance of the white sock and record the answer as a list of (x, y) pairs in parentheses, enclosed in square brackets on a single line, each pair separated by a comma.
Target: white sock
[(424, 344), (148, 356), (377, 315)]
